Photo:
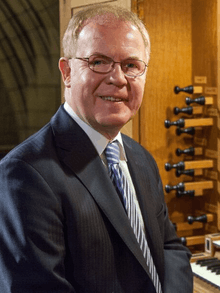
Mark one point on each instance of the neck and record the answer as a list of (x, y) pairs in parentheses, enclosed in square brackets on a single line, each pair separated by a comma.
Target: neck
[(108, 133)]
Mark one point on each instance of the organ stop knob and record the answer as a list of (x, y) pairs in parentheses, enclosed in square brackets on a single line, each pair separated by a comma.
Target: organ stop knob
[(179, 166), (193, 240), (190, 193), (187, 110), (203, 218), (198, 164), (189, 172), (188, 89), (189, 122), (179, 187), (189, 130), (200, 100), (179, 123), (189, 151)]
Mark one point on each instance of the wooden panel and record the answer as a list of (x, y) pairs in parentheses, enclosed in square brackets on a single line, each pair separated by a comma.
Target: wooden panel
[(169, 26), (218, 108), (204, 63), (185, 51), (81, 3), (203, 287), (78, 4)]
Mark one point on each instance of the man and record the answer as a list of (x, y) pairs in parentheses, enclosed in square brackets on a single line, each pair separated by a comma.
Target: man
[(65, 225)]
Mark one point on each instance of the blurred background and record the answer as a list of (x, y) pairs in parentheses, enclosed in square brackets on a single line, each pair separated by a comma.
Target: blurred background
[(29, 76)]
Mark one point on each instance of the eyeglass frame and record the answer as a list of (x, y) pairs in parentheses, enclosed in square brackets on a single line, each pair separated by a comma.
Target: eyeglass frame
[(86, 59)]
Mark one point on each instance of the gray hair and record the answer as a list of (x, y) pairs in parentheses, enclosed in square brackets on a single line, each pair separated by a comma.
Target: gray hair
[(81, 18)]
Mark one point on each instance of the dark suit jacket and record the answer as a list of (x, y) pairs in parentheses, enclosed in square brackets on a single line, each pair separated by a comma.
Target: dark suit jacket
[(63, 227)]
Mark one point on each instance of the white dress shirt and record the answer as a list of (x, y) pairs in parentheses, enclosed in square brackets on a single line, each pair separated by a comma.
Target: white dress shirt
[(100, 142)]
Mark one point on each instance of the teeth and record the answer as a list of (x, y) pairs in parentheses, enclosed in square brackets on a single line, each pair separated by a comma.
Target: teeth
[(111, 99)]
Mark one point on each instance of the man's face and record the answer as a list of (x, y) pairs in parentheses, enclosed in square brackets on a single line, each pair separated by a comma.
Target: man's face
[(89, 90)]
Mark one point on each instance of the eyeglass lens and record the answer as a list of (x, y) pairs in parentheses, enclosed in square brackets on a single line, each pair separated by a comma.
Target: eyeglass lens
[(104, 64)]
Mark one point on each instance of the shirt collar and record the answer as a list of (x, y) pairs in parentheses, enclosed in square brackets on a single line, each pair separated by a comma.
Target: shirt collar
[(99, 141)]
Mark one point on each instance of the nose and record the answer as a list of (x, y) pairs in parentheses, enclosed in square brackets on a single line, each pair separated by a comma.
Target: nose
[(116, 76)]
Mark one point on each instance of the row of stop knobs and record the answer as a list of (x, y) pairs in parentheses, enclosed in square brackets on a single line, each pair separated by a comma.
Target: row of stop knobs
[(188, 123), (180, 166)]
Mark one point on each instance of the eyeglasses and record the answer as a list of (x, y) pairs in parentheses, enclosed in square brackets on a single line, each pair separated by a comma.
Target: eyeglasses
[(103, 64)]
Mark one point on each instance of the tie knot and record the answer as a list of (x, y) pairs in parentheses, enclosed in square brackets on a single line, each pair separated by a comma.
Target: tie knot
[(112, 153)]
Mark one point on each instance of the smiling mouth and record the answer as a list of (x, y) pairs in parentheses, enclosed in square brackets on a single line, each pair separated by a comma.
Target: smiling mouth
[(112, 99)]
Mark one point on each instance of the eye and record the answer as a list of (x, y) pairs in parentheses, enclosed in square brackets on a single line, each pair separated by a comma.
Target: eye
[(131, 65), (99, 61)]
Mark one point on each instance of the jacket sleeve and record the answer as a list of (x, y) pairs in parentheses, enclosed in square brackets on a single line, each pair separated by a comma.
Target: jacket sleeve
[(32, 249)]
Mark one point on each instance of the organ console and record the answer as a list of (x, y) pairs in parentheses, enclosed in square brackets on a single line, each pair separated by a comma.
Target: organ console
[(198, 140), (189, 122), (201, 100), (207, 269), (188, 89)]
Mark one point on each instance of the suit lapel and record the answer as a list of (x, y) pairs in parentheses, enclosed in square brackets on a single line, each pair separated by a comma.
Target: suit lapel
[(78, 153)]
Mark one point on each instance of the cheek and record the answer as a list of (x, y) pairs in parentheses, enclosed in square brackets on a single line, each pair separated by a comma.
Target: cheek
[(80, 84), (138, 93), (138, 104), (86, 81)]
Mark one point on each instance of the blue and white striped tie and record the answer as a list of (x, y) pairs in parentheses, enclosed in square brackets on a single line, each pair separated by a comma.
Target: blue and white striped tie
[(112, 153)]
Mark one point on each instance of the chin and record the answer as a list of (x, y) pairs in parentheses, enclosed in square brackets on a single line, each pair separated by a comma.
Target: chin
[(119, 123), (117, 119)]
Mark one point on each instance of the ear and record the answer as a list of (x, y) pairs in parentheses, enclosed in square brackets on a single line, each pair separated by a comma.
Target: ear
[(65, 71)]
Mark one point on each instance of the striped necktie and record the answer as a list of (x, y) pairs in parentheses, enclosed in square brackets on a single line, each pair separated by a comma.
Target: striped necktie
[(112, 153)]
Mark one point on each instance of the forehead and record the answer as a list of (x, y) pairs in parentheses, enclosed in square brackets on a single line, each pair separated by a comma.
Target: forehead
[(107, 19), (108, 35)]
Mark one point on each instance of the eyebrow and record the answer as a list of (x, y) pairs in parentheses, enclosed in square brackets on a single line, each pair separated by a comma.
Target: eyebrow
[(134, 57), (130, 57)]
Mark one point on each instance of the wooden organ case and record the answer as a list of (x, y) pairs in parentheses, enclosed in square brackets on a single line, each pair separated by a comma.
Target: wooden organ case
[(179, 121)]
